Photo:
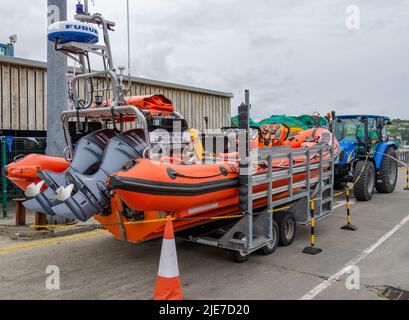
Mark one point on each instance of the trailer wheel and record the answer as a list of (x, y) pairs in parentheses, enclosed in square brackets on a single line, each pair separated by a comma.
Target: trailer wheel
[(271, 248), (287, 226), (364, 177), (240, 256), (388, 172)]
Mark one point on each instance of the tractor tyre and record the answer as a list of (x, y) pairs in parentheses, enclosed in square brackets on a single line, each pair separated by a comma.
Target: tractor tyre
[(364, 179), (388, 173)]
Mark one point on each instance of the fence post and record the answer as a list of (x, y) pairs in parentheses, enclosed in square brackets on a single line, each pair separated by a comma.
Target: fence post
[(3, 178)]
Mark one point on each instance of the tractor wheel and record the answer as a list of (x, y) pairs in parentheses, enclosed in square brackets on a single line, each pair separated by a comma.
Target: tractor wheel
[(388, 173), (288, 228), (364, 179)]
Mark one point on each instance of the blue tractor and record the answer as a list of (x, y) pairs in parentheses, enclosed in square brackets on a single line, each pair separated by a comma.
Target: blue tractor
[(367, 155)]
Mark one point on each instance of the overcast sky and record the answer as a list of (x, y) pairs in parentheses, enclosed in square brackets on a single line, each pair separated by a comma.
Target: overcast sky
[(295, 56)]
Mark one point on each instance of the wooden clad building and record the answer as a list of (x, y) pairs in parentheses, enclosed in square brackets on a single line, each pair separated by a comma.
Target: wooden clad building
[(23, 92)]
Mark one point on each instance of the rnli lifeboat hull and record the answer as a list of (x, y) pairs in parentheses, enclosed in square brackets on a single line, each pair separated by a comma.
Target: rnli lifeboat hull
[(140, 231), (197, 192)]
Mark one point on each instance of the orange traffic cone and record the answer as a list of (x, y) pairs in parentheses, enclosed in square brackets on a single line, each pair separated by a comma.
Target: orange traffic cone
[(168, 286)]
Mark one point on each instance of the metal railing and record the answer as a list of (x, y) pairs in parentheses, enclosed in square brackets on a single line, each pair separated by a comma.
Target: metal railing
[(403, 155), (315, 184)]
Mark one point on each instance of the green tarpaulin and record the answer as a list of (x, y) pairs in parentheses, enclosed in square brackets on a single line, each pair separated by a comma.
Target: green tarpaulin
[(303, 122)]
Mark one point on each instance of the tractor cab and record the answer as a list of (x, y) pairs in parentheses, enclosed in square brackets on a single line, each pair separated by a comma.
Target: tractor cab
[(366, 157), (360, 135)]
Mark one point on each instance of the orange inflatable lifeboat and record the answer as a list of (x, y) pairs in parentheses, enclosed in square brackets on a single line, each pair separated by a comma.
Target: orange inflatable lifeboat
[(308, 138), (194, 190)]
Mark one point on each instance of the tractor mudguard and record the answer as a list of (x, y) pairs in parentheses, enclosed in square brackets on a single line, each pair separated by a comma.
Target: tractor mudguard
[(378, 157)]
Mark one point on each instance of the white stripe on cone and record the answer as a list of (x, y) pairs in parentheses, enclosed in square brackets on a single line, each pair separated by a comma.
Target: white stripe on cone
[(168, 265)]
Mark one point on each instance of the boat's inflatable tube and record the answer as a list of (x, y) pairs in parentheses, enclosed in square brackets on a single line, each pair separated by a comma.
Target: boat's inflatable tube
[(311, 137), (87, 159), (150, 185), (91, 192), (23, 171)]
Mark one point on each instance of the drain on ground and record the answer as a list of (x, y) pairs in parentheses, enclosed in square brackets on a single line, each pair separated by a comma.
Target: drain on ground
[(390, 293)]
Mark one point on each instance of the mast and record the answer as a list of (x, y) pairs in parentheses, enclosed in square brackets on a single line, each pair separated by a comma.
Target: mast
[(57, 97)]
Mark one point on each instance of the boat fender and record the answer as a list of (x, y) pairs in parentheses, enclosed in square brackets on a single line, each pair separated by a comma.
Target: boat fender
[(172, 173), (223, 171)]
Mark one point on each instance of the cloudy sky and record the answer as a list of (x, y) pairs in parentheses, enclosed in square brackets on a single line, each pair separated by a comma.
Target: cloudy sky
[(295, 56)]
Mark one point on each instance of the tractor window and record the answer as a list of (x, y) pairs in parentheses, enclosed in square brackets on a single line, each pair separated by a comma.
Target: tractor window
[(385, 133), (350, 129), (373, 130)]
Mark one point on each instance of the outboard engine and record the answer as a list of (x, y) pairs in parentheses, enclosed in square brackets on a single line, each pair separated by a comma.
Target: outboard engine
[(91, 195), (87, 159)]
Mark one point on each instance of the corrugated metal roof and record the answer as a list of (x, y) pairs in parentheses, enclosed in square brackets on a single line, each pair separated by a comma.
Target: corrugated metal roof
[(40, 64)]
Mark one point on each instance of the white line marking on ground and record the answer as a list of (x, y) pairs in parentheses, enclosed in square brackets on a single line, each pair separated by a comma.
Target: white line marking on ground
[(327, 283), (341, 203)]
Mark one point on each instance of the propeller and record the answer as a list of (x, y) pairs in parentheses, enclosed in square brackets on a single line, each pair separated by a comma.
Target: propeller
[(34, 189), (62, 194)]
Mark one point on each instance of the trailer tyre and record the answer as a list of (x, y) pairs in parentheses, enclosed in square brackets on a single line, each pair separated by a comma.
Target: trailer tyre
[(287, 226), (240, 256), (388, 172), (272, 247), (364, 177)]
